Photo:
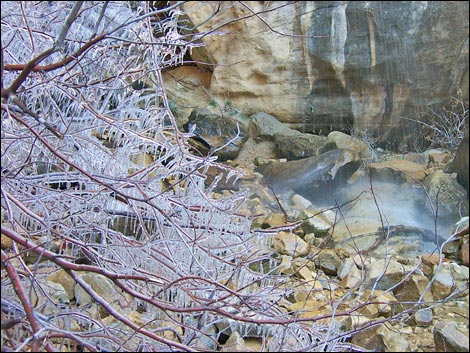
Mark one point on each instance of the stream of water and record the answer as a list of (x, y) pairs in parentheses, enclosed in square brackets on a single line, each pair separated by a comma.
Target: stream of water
[(366, 208)]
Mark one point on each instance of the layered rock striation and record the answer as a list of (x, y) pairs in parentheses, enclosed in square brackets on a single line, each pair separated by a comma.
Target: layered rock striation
[(330, 65)]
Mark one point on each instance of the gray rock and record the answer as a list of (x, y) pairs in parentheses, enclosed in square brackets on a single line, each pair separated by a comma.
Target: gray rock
[(265, 126), (65, 280), (460, 164), (300, 146), (222, 135), (423, 317), (343, 140), (299, 202), (236, 343), (448, 338), (451, 249), (317, 222), (383, 273), (451, 196), (57, 293), (350, 275), (333, 167), (102, 285), (443, 283), (328, 261)]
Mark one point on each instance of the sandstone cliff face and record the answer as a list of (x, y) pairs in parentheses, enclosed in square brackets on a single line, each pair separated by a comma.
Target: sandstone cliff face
[(330, 65)]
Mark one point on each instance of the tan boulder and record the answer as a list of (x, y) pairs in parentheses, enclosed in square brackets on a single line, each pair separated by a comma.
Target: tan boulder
[(290, 244), (398, 170)]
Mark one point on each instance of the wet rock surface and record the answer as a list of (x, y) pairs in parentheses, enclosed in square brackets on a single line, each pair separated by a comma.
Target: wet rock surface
[(312, 172), (375, 251)]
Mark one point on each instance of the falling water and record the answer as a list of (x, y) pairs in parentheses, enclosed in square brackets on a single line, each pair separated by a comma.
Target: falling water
[(378, 208)]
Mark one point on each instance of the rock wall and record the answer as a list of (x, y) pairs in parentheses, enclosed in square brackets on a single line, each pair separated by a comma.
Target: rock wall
[(329, 65)]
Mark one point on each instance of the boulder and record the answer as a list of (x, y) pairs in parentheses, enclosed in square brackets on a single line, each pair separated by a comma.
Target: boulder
[(290, 244), (221, 135), (63, 278), (375, 303), (102, 285), (446, 195), (411, 289), (318, 222), (299, 202), (236, 343), (448, 338), (384, 274), (423, 317), (264, 126), (301, 146), (381, 339), (187, 84), (254, 153), (350, 275), (398, 170), (328, 261), (333, 167), (343, 140), (460, 164), (443, 284)]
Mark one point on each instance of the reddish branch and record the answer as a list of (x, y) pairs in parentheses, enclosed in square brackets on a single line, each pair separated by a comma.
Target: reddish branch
[(33, 65), (24, 300), (70, 268)]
